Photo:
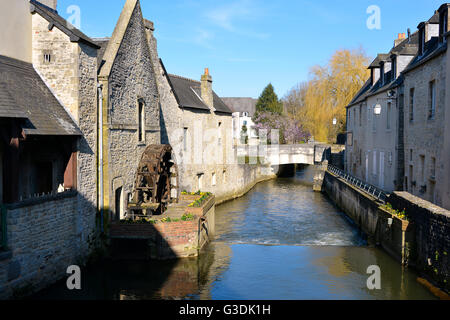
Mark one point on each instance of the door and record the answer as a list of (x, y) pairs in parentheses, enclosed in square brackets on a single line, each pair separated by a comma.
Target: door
[(120, 210), (382, 170)]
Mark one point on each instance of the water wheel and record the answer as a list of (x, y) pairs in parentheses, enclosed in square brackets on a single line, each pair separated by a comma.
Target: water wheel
[(153, 186)]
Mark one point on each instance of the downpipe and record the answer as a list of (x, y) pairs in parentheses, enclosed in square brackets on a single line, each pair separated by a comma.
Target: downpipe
[(100, 153)]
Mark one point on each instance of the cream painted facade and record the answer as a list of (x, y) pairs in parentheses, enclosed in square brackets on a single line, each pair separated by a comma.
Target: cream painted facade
[(15, 29)]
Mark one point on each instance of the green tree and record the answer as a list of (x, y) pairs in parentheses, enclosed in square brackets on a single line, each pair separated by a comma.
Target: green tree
[(268, 101)]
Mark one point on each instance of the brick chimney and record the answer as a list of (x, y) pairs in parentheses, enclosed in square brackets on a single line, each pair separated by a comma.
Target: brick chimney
[(49, 3), (206, 88), (401, 37)]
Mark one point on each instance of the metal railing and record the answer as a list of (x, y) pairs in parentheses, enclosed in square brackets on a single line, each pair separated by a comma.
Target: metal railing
[(373, 191), (3, 239)]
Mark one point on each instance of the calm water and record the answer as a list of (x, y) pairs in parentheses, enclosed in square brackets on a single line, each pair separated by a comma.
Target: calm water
[(280, 241)]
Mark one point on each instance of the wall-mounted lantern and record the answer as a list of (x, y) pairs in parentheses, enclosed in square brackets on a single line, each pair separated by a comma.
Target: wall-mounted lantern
[(334, 121), (390, 222), (377, 109)]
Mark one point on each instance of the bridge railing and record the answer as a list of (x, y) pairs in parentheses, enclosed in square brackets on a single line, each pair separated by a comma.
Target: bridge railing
[(375, 192)]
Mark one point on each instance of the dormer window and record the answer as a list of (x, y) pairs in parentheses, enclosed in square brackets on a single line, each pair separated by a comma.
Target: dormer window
[(422, 41), (382, 73), (394, 68), (443, 26)]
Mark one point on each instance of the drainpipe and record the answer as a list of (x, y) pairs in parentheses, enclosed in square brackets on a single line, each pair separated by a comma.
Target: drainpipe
[(100, 152)]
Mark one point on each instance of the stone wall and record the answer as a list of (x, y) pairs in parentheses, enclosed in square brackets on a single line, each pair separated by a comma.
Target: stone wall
[(42, 243), (421, 242), (432, 236), (424, 138), (71, 75), (132, 79)]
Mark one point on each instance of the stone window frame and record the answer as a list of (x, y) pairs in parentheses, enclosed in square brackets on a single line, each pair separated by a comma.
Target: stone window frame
[(47, 56)]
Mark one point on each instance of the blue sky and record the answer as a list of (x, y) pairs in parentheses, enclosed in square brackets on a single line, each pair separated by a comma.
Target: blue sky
[(248, 43)]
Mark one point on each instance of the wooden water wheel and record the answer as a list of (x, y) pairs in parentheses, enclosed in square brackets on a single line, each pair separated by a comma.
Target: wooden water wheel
[(154, 177)]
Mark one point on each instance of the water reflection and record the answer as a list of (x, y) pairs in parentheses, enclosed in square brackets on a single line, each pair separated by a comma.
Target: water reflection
[(280, 241)]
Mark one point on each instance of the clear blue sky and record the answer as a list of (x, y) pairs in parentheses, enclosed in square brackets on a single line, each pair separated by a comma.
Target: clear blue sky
[(248, 43)]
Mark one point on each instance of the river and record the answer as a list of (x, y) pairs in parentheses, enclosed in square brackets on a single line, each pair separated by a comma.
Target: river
[(280, 241)]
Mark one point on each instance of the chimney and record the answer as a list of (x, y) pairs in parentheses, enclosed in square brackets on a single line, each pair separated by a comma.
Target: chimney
[(49, 3), (206, 88), (401, 37)]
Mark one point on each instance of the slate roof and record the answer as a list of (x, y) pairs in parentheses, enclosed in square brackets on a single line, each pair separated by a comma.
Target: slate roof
[(406, 47), (103, 44), (56, 20), (23, 94), (188, 95), (241, 105), (432, 49)]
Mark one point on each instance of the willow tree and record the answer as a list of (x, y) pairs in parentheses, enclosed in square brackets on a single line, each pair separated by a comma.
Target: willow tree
[(329, 91)]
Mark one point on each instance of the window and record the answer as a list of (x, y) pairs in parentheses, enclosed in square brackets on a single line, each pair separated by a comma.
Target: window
[(410, 155), (213, 179), (185, 139), (388, 116), (374, 121), (422, 168), (374, 165), (432, 100), (382, 73), (443, 26), (360, 115), (141, 122), (411, 178), (47, 58), (433, 168), (394, 68), (422, 41), (411, 104), (200, 181)]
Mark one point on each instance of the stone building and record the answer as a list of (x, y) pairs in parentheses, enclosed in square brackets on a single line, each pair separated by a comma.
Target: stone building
[(130, 107), (415, 83), (243, 112), (48, 113), (374, 119), (199, 127), (426, 114)]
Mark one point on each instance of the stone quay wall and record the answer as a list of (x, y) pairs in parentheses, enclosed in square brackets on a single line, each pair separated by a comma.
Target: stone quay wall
[(421, 242), (431, 226), (43, 240), (171, 240)]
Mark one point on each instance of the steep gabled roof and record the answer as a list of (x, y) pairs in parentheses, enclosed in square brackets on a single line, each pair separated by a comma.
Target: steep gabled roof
[(188, 95), (187, 92), (56, 20), (23, 94), (114, 43)]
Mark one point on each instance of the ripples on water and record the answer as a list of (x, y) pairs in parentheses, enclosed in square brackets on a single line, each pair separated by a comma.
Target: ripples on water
[(280, 241)]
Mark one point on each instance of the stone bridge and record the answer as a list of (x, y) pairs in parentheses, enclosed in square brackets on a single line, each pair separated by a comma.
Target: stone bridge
[(275, 155)]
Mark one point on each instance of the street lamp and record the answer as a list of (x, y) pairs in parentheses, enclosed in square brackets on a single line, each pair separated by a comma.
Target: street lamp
[(377, 109), (334, 121)]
